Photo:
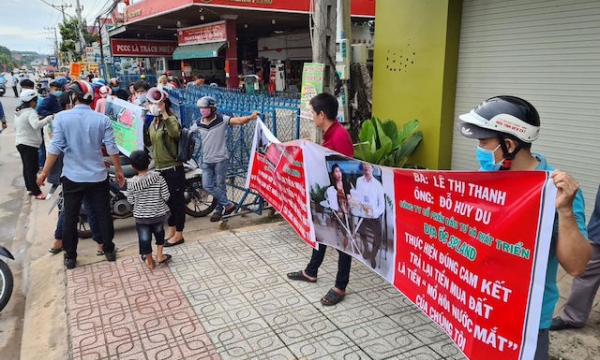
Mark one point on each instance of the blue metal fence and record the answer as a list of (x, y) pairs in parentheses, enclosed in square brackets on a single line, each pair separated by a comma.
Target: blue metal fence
[(279, 113)]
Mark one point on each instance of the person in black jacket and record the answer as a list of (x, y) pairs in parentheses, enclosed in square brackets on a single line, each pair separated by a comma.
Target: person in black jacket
[(117, 91), (49, 106)]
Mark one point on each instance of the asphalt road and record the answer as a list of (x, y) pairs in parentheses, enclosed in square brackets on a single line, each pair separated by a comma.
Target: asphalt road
[(13, 228)]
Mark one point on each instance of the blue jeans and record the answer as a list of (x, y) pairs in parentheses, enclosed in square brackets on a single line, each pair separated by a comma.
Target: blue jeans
[(145, 232), (92, 222), (42, 152), (213, 181)]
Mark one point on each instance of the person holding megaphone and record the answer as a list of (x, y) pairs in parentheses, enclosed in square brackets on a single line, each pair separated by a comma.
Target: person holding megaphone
[(163, 135)]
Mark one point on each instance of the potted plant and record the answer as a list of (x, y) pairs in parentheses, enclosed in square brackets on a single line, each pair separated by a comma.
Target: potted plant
[(382, 143)]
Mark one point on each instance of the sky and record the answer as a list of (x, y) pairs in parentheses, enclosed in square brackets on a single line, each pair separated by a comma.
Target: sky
[(28, 25)]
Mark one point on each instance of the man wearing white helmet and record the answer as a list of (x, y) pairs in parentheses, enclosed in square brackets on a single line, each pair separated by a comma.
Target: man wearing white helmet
[(79, 134), (505, 127), (212, 127)]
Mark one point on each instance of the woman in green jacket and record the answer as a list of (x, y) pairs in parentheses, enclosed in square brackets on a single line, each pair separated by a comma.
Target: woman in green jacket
[(163, 134)]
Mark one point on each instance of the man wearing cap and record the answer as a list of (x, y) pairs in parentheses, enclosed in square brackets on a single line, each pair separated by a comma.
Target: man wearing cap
[(505, 127), (212, 127)]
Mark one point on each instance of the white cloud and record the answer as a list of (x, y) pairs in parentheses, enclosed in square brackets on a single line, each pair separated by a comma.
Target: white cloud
[(28, 25)]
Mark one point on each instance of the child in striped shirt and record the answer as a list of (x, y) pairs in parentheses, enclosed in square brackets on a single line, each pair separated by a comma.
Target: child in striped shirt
[(148, 193)]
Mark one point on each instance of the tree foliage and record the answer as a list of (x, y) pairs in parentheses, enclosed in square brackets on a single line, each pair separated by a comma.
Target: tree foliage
[(69, 34), (7, 63), (4, 51)]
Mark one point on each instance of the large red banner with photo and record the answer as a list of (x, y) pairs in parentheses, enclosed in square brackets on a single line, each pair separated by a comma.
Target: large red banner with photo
[(469, 249)]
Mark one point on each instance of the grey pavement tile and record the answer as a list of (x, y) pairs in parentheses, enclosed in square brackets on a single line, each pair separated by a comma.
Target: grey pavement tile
[(272, 300), (213, 316), (388, 305), (382, 338), (447, 350), (413, 319), (428, 332), (327, 345), (350, 312), (292, 324), (353, 353)]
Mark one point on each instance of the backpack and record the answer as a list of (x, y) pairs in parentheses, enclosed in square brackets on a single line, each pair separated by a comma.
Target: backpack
[(185, 145)]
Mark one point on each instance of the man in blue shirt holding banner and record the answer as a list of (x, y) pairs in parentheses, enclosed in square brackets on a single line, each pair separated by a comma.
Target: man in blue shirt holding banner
[(505, 127)]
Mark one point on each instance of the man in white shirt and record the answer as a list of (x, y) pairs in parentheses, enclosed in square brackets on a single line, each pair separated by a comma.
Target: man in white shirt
[(370, 192)]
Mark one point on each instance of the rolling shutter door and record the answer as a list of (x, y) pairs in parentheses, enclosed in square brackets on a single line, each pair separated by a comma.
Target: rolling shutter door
[(547, 52)]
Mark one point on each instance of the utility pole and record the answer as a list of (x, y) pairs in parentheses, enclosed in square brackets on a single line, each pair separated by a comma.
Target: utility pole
[(62, 8), (323, 38), (323, 48), (56, 50), (80, 27), (102, 69)]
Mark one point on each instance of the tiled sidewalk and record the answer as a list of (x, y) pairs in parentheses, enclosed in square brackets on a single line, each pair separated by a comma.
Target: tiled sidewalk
[(228, 298)]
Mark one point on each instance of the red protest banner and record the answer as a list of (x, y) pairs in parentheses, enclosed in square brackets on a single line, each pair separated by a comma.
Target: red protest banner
[(469, 249), (277, 173), (466, 255)]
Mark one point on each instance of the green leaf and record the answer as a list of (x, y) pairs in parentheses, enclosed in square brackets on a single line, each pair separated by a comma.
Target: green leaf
[(379, 154), (391, 130), (367, 131), (411, 144), (408, 128), (382, 137), (362, 151)]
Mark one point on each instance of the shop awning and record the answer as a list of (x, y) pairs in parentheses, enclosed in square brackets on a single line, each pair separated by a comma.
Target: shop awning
[(200, 51)]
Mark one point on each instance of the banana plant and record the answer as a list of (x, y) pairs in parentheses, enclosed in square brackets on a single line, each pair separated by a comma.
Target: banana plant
[(382, 143)]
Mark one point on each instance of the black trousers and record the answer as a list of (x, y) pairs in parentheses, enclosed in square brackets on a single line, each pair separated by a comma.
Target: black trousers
[(373, 231), (29, 158), (344, 262), (99, 196), (15, 90), (175, 178)]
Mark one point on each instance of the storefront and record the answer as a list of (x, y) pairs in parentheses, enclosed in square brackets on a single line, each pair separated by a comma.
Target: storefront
[(137, 57), (238, 52), (202, 51)]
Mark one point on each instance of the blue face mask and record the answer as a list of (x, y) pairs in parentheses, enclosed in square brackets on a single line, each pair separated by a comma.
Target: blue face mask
[(57, 93), (487, 160), (115, 89)]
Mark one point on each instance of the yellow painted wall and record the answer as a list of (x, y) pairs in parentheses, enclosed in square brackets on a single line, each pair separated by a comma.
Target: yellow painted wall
[(414, 75)]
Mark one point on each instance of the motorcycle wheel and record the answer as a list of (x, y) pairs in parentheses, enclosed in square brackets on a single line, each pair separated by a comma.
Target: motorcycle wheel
[(198, 202), (6, 284)]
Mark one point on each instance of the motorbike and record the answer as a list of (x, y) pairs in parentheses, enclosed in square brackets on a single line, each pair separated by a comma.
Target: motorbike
[(198, 202), (2, 85), (6, 278), (42, 87)]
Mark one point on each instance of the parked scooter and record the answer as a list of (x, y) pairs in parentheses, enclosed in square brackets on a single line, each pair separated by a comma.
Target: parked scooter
[(2, 85), (6, 278), (198, 202)]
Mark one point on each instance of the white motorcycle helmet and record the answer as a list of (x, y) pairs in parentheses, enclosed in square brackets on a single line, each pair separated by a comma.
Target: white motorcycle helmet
[(28, 95)]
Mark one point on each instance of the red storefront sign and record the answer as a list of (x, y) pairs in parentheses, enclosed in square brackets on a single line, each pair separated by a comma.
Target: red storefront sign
[(202, 34), (142, 48), (149, 8)]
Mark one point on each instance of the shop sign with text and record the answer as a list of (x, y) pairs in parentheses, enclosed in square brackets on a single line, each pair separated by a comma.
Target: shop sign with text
[(142, 48), (202, 34)]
